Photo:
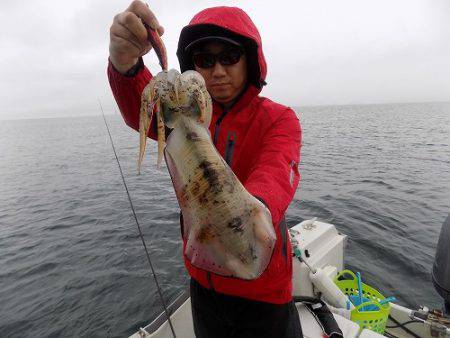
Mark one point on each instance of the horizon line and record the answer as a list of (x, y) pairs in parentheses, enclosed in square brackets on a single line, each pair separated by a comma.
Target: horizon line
[(291, 106)]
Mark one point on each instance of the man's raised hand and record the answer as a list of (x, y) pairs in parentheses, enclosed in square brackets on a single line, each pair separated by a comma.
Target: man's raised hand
[(128, 36)]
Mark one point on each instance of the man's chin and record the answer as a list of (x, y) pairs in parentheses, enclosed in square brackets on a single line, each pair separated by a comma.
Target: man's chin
[(222, 98)]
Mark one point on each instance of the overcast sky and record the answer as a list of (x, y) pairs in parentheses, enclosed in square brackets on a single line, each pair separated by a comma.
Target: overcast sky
[(54, 53)]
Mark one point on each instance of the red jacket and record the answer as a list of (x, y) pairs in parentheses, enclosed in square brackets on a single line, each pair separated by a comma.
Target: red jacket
[(260, 140)]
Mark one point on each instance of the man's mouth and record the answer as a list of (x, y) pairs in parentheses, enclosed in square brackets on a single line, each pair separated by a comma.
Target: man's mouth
[(219, 84)]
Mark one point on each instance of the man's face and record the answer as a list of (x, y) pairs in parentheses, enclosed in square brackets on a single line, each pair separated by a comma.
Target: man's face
[(224, 82)]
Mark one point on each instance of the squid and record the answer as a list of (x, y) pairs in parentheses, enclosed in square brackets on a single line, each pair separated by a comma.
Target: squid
[(227, 231)]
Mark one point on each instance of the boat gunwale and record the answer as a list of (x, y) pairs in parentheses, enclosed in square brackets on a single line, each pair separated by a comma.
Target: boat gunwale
[(171, 309)]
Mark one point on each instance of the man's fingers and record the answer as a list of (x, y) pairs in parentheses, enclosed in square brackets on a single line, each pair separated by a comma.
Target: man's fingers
[(124, 40), (136, 31), (160, 30), (129, 37), (143, 11)]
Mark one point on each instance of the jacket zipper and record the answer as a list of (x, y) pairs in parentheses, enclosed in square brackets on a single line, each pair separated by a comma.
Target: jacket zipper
[(217, 128), (231, 139), (284, 233)]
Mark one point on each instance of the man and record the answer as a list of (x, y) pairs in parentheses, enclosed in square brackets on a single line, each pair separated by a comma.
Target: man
[(259, 139)]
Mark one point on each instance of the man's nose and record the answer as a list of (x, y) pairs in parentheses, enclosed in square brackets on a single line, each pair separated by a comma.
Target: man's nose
[(218, 70)]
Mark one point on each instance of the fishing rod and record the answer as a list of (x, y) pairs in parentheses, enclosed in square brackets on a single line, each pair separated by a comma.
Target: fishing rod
[(138, 226)]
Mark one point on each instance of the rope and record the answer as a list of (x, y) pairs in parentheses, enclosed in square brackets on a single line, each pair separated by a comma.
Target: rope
[(139, 227)]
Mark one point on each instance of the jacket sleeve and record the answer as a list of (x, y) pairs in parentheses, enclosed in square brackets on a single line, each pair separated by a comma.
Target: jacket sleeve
[(127, 92), (274, 176)]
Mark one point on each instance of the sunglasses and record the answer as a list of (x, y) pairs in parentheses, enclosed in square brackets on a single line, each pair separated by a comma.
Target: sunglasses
[(227, 57)]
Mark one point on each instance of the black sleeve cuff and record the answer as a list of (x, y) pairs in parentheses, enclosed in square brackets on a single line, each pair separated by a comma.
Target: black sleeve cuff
[(135, 69)]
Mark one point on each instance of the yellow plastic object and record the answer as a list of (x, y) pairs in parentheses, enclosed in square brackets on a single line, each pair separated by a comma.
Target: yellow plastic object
[(373, 320)]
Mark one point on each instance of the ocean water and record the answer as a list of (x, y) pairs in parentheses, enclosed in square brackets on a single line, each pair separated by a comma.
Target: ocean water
[(71, 260)]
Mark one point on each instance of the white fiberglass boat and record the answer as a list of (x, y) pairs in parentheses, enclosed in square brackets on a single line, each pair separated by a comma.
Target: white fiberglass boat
[(322, 247)]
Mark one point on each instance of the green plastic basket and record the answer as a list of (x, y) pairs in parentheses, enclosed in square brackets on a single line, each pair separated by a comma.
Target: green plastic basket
[(373, 320)]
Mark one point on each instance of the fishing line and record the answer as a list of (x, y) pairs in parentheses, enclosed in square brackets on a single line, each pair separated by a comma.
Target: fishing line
[(139, 227)]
